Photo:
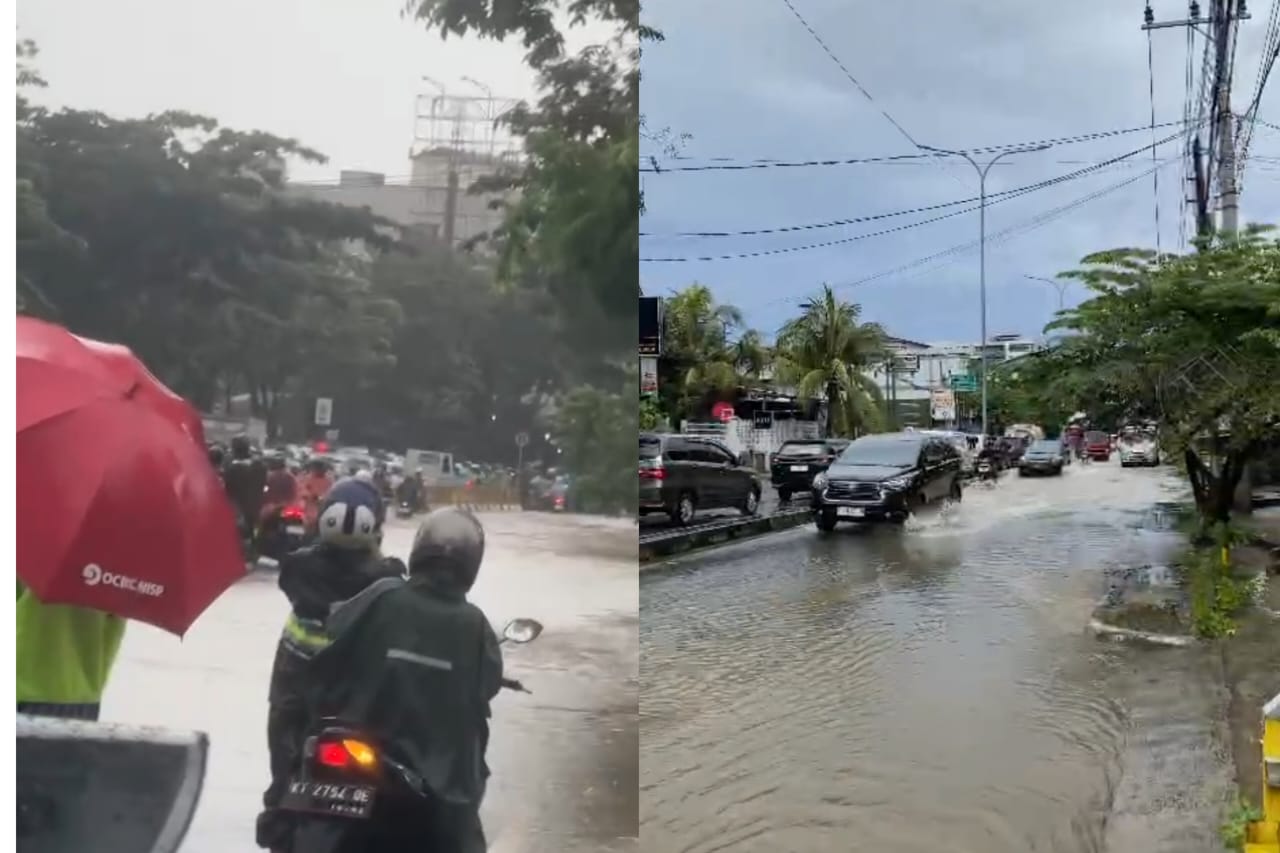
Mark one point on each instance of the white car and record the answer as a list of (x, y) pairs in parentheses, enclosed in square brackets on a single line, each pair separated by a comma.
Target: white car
[(1139, 451)]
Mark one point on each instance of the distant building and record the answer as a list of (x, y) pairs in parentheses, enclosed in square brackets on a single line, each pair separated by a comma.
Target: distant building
[(434, 200), (931, 365)]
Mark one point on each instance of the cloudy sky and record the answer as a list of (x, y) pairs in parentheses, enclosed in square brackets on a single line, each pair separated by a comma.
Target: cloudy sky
[(747, 82), (340, 76)]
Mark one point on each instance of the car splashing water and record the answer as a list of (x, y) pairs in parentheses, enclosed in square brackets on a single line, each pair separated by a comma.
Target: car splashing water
[(900, 689)]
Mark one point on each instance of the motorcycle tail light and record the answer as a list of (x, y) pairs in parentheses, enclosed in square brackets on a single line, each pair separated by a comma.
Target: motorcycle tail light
[(346, 752), (292, 513)]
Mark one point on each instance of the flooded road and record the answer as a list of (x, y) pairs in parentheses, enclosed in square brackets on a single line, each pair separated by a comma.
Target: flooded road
[(929, 688), (563, 758)]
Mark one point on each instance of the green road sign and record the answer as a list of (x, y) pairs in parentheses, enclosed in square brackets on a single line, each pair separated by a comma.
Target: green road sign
[(962, 382)]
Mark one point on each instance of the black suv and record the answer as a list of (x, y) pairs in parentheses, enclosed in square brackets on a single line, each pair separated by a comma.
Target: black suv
[(886, 478), (794, 466), (680, 474)]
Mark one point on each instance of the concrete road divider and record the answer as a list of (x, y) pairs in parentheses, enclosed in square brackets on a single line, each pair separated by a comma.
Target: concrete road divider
[(105, 788), (670, 542), (489, 498)]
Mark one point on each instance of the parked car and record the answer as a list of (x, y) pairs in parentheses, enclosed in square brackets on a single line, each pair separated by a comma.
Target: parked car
[(682, 474), (886, 478), (1097, 445), (1042, 457), (796, 463)]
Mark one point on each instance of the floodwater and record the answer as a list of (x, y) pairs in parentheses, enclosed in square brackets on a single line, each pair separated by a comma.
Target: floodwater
[(563, 758), (928, 688)]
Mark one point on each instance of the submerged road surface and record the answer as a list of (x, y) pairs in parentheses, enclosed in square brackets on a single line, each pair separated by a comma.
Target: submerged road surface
[(929, 688), (563, 758)]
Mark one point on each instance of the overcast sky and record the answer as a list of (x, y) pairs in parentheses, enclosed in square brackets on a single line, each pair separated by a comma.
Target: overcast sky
[(746, 81), (340, 76)]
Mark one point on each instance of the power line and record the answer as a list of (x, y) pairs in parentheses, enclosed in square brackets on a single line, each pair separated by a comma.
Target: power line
[(849, 74), (1001, 236), (863, 89), (992, 198), (729, 164)]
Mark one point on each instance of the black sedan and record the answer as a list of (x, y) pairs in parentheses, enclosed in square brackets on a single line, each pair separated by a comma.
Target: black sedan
[(796, 463), (1042, 457)]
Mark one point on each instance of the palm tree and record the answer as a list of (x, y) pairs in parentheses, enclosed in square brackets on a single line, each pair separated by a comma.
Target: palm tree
[(827, 349), (697, 346), (751, 355)]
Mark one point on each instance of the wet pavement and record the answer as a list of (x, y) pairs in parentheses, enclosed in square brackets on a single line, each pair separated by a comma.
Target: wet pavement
[(563, 759), (931, 687)]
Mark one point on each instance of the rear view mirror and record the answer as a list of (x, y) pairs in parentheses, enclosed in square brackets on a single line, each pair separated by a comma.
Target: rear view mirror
[(522, 630)]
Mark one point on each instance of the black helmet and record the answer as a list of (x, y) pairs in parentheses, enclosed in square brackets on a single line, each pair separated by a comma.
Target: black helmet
[(216, 455), (241, 448), (449, 541)]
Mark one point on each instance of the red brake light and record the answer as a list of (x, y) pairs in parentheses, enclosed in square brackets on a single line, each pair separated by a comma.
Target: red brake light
[(344, 753), (559, 500), (292, 513), (652, 474), (332, 754)]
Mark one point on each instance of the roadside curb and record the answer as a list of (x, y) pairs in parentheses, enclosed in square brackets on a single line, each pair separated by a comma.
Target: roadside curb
[(669, 546), (1115, 632)]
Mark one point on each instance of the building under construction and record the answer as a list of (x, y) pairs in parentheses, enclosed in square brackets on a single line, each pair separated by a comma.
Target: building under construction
[(458, 141)]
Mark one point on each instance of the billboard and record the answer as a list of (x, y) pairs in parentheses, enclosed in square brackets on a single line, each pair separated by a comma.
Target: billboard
[(650, 325)]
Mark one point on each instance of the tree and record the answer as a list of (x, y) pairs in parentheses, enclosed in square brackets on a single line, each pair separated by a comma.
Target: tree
[(572, 227), (827, 350), (1190, 340), (700, 363), (571, 224), (180, 239)]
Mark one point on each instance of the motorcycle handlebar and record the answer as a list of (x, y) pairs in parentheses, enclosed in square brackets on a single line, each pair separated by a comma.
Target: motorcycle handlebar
[(514, 684)]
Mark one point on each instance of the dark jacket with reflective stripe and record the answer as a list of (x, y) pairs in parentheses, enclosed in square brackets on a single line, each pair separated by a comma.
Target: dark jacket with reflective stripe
[(315, 579), (417, 664)]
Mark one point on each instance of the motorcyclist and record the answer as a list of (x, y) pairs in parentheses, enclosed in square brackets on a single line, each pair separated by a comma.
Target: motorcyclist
[(282, 488), (410, 491), (245, 479), (417, 663), (345, 560), (315, 484)]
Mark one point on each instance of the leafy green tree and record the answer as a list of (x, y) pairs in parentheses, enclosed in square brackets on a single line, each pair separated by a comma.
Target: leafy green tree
[(826, 350), (1190, 340)]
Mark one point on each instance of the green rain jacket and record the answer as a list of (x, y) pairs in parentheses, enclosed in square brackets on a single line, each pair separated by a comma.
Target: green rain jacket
[(64, 653)]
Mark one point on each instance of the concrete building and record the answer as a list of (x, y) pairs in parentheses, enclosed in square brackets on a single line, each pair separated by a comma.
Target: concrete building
[(435, 199), (928, 368)]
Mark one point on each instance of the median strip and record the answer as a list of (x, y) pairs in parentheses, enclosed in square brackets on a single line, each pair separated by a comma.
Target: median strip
[(668, 543)]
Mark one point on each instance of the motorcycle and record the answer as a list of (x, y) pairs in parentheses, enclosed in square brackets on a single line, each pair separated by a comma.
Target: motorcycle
[(404, 509), (352, 796), (283, 532), (986, 471)]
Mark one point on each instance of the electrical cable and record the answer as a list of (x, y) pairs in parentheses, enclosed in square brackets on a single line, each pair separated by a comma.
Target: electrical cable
[(863, 89), (992, 198), (1003, 235), (729, 164)]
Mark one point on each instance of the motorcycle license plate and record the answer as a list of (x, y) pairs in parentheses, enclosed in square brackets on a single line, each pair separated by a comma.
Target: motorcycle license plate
[(353, 801), (295, 530), (799, 467), (850, 512)]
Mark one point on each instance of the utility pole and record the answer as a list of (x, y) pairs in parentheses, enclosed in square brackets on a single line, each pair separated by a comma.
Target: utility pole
[(982, 245), (1222, 24)]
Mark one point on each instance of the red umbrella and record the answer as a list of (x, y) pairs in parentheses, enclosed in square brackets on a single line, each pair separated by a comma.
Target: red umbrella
[(118, 507)]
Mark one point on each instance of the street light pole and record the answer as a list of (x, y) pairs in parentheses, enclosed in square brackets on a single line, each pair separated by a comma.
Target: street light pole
[(982, 245), (1060, 286)]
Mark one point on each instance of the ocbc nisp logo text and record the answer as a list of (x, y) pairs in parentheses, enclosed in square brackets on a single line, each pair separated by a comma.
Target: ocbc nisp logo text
[(93, 575)]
